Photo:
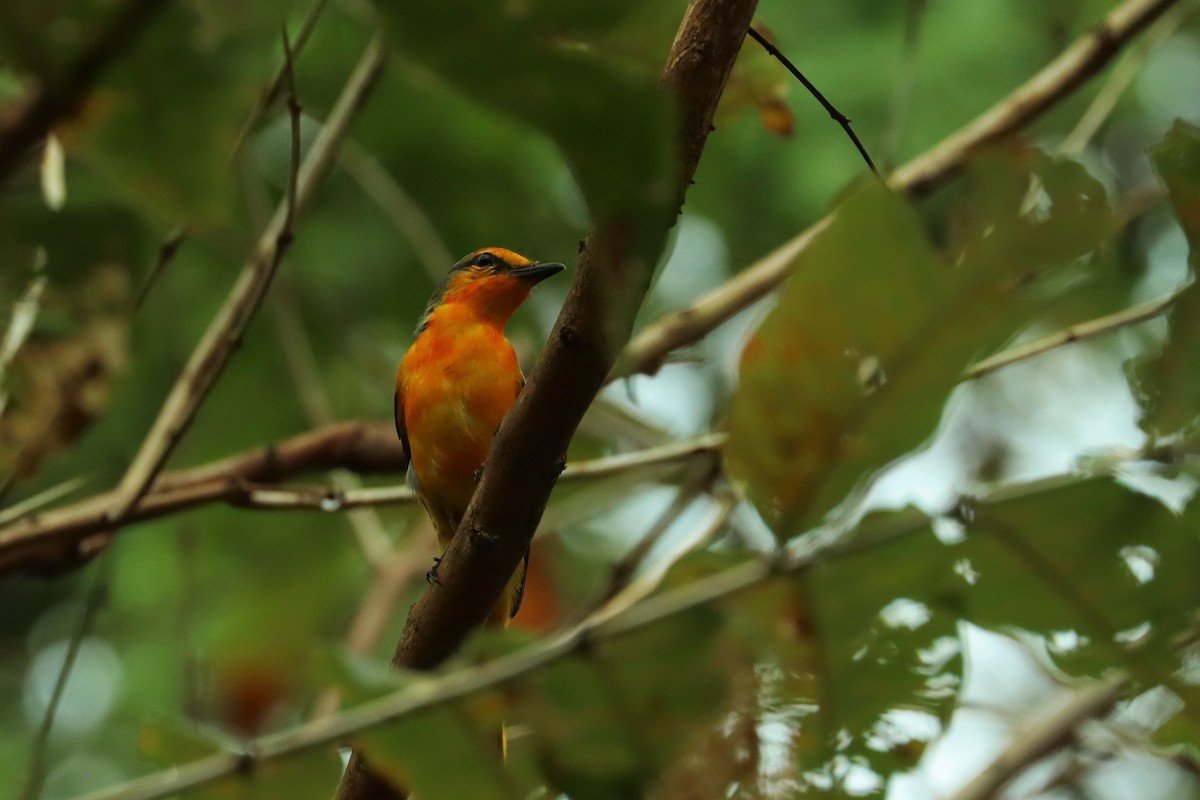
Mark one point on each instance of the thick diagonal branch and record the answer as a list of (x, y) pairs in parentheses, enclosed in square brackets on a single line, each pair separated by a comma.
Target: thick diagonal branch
[(526, 457)]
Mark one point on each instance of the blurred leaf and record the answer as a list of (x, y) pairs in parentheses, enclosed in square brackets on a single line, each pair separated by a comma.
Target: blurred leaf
[(1024, 207), (873, 615), (1171, 381), (844, 375), (438, 754), (61, 381), (759, 82), (872, 330), (1113, 566), (609, 117), (1139, 556), (162, 123), (580, 737)]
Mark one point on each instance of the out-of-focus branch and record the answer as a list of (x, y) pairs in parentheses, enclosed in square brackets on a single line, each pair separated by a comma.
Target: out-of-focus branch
[(400, 209), (61, 98), (526, 456), (1081, 332), (1042, 736), (63, 538), (1121, 78), (279, 81), (52, 540), (229, 325), (1073, 67)]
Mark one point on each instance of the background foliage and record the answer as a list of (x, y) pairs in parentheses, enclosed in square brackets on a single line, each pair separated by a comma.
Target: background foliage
[(967, 554)]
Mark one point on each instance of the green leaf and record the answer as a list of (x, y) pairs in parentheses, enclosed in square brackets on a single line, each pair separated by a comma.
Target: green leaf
[(440, 753), (1114, 565), (162, 124), (873, 329), (549, 66), (1170, 382), (610, 720), (1089, 557), (842, 376), (867, 655)]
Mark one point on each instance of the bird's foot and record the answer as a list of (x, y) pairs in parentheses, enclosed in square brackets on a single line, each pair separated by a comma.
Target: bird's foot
[(478, 473), (431, 576)]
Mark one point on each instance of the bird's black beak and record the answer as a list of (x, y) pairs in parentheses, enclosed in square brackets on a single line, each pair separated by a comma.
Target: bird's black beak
[(536, 273)]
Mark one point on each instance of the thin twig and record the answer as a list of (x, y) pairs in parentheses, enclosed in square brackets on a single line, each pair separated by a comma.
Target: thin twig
[(623, 571), (92, 603), (62, 96), (642, 585), (1070, 70), (400, 208), (53, 539), (293, 104), (271, 93), (1070, 335), (166, 253), (1122, 77), (838, 117), (1042, 736), (902, 93), (40, 500), (225, 332)]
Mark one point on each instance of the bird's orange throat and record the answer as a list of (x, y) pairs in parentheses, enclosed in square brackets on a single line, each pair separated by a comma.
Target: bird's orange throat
[(493, 299)]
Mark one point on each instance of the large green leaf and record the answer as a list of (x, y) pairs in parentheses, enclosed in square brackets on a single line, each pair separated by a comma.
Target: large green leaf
[(555, 67), (1114, 567), (1171, 381), (850, 371)]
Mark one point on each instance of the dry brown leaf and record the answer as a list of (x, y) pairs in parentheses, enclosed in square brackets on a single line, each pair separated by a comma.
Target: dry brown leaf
[(61, 383)]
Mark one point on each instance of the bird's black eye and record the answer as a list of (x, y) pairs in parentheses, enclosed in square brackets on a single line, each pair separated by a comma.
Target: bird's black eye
[(485, 260)]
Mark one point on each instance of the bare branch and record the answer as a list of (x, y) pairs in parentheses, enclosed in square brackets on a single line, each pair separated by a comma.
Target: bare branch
[(288, 231), (838, 117), (1075, 333), (229, 325), (271, 93), (1120, 79), (1042, 736), (53, 540), (166, 253), (400, 209), (1079, 62), (61, 98)]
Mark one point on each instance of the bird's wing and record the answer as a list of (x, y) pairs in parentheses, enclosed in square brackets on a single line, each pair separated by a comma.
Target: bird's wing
[(398, 411)]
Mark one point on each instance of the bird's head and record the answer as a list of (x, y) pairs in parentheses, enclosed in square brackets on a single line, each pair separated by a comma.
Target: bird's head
[(492, 283)]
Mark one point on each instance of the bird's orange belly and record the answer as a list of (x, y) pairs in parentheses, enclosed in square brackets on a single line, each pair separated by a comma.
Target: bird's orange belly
[(451, 422)]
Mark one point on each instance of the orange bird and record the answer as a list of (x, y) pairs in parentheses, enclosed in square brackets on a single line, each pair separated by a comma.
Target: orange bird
[(456, 383)]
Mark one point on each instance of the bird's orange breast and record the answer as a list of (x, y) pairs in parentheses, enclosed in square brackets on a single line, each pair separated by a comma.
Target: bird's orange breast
[(459, 379)]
